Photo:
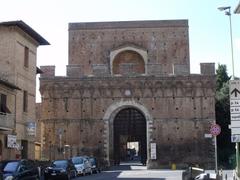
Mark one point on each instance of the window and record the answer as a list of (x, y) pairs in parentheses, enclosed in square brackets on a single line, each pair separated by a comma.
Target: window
[(26, 57), (25, 101), (3, 104)]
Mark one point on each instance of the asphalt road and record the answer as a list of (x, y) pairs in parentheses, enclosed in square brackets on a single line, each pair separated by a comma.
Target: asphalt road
[(140, 172)]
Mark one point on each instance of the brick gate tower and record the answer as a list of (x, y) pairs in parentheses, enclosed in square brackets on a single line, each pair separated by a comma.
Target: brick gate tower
[(129, 82)]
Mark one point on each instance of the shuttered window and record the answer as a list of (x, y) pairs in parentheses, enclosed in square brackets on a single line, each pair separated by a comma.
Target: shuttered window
[(25, 101), (3, 104), (26, 57)]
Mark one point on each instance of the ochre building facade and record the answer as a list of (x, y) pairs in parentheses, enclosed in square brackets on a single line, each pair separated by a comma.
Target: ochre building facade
[(129, 82), (18, 58)]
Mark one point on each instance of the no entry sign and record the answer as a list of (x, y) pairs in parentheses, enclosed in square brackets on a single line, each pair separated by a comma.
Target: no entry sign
[(215, 129)]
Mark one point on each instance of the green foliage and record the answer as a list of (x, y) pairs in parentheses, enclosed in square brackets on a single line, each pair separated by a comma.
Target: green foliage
[(226, 149), (222, 76)]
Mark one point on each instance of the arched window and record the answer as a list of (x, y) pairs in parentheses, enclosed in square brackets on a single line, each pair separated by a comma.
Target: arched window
[(128, 60), (128, 63)]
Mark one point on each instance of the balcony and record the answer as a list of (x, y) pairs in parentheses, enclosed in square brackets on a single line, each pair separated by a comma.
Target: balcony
[(7, 121)]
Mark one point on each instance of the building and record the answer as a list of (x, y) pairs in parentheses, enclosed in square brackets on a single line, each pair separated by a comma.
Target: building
[(237, 10), (18, 51), (8, 93), (129, 83)]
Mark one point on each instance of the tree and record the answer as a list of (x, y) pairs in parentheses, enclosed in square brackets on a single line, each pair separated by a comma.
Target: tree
[(222, 76), (226, 149)]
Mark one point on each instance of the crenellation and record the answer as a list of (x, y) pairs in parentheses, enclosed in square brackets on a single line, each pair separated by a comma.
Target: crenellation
[(207, 68)]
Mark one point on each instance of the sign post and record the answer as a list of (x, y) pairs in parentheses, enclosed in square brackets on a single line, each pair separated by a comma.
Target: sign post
[(234, 93), (153, 150), (215, 130)]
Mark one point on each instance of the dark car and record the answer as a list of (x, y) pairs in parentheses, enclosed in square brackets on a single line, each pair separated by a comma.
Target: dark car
[(2, 166), (60, 169), (94, 165), (20, 170)]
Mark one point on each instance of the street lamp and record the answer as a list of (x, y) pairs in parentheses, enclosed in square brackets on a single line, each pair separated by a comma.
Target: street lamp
[(227, 10)]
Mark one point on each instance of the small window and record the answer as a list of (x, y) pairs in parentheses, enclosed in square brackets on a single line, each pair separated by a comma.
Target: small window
[(25, 101), (26, 57), (3, 104)]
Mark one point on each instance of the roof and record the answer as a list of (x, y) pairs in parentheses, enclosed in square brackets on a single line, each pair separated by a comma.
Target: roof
[(39, 71), (8, 84), (27, 29), (237, 10), (129, 24)]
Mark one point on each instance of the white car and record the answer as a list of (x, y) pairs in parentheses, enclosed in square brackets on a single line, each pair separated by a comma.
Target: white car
[(206, 176), (82, 165)]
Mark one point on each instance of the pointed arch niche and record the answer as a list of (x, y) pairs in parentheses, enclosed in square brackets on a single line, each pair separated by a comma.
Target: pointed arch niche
[(128, 59)]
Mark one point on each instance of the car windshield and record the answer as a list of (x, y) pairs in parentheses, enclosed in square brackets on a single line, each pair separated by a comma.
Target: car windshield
[(93, 161), (60, 164), (77, 160), (11, 167)]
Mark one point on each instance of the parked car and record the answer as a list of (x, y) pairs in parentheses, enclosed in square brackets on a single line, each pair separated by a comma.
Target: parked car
[(20, 170), (82, 165), (191, 173), (95, 165), (206, 176), (2, 166), (60, 169)]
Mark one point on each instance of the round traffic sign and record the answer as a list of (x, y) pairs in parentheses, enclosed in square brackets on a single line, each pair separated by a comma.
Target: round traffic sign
[(215, 129)]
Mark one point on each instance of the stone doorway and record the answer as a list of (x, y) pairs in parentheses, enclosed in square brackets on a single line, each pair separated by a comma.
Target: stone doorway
[(130, 142)]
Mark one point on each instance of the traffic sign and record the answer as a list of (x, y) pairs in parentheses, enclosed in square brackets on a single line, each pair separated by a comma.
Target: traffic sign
[(235, 117), (215, 129), (235, 102), (235, 124), (235, 130), (235, 110), (153, 147), (234, 89), (235, 138), (234, 93)]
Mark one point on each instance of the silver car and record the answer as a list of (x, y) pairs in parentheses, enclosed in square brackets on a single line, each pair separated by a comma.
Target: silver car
[(82, 165)]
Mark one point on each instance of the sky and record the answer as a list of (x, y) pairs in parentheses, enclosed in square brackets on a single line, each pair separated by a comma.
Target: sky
[(209, 29)]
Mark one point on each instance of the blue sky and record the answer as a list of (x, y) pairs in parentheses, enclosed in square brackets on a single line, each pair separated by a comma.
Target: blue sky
[(208, 27)]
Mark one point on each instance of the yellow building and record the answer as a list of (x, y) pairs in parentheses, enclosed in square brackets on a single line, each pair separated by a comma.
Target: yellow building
[(18, 52)]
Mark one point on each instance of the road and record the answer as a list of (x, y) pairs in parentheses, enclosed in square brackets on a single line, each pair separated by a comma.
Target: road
[(135, 172)]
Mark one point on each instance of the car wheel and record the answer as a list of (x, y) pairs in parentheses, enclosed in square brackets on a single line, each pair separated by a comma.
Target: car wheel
[(74, 174)]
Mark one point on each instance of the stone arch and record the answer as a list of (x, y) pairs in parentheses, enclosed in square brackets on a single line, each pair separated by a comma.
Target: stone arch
[(109, 117), (179, 88), (137, 52)]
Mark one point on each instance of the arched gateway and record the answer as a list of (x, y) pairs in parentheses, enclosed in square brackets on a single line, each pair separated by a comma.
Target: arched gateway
[(126, 122), (129, 128)]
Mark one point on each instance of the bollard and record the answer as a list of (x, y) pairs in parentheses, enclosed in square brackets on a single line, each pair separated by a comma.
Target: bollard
[(220, 174), (174, 166)]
